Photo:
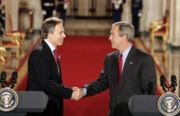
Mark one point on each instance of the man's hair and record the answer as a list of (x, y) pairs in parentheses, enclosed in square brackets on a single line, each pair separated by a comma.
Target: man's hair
[(49, 25), (125, 28)]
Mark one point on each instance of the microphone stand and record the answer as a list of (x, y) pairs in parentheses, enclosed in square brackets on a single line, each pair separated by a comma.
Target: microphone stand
[(5, 83), (165, 87)]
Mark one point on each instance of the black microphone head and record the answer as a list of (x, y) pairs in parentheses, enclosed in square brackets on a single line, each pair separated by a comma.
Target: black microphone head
[(14, 75), (173, 80), (163, 83), (3, 75), (162, 80)]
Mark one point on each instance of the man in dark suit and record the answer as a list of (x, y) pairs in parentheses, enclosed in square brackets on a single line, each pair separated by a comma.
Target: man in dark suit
[(61, 9), (136, 8), (48, 6), (117, 9), (44, 71), (127, 71)]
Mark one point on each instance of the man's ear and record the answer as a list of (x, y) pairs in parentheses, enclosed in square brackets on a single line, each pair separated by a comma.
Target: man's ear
[(49, 34)]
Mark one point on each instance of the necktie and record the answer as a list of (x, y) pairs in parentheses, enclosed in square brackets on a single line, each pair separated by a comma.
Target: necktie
[(120, 62), (56, 56), (57, 60)]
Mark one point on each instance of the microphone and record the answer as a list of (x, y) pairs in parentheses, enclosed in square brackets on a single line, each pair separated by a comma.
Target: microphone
[(163, 83), (173, 82), (3, 78), (14, 79)]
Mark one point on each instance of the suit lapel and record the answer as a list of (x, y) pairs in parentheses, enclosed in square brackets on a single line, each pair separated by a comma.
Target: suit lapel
[(114, 67), (129, 61), (51, 59), (48, 51)]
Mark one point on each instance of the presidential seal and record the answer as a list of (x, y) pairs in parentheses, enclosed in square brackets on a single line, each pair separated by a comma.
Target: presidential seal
[(169, 104), (8, 99)]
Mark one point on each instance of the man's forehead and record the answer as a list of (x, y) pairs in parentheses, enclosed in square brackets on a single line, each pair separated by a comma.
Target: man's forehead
[(59, 25)]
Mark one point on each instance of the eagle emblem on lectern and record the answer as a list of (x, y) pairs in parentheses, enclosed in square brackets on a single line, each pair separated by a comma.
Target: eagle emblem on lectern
[(169, 104), (8, 99)]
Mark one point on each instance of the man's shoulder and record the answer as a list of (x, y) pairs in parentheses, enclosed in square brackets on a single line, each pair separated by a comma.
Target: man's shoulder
[(37, 51), (38, 48), (143, 55), (113, 53)]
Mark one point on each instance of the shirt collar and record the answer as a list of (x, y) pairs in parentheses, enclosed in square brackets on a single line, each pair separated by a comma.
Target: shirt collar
[(126, 52), (50, 45)]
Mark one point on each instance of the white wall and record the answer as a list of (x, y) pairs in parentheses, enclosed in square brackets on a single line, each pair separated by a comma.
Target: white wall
[(174, 37), (11, 9), (152, 10)]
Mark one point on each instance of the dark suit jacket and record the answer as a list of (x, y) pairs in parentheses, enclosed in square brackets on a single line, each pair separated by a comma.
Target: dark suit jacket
[(43, 76), (48, 9), (138, 77)]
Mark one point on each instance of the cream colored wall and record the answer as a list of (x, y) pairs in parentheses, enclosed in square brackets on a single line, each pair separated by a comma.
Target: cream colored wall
[(100, 7), (11, 22), (152, 10), (12, 14), (126, 15), (83, 7), (35, 5), (174, 37), (174, 68)]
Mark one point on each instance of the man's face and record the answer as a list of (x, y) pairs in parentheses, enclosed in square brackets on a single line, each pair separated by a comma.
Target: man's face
[(115, 38), (57, 37)]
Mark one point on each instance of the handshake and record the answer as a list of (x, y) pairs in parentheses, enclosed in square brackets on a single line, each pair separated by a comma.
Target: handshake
[(77, 94)]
